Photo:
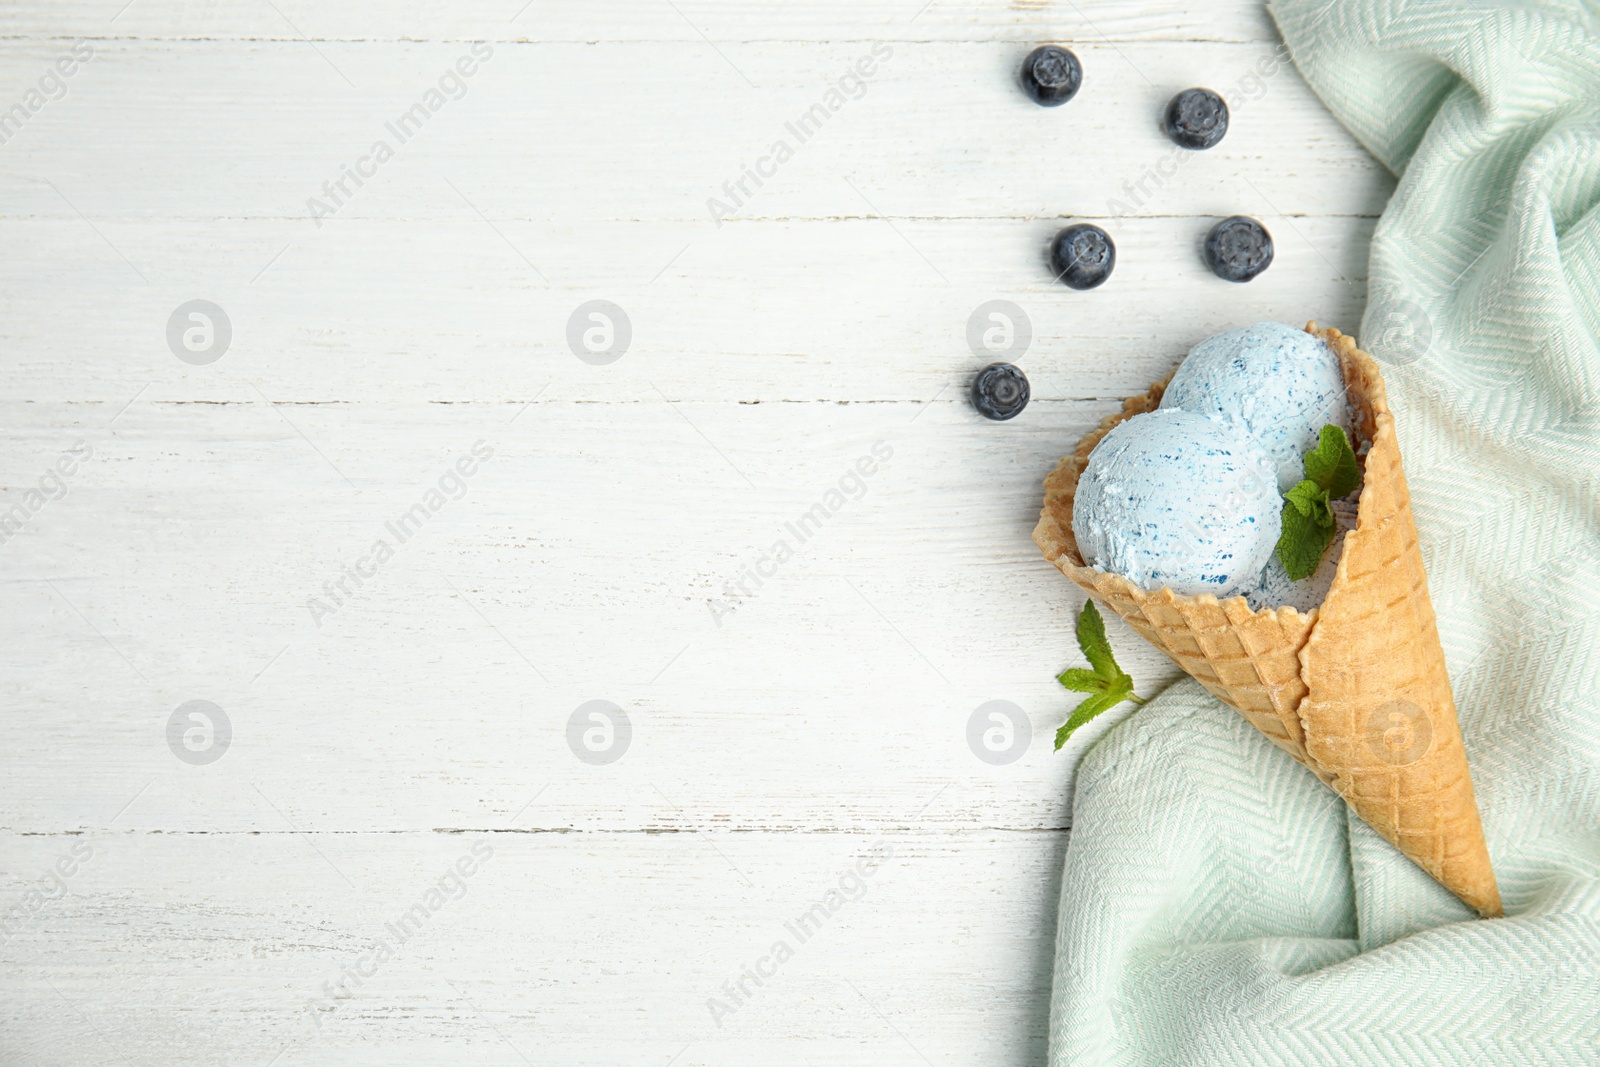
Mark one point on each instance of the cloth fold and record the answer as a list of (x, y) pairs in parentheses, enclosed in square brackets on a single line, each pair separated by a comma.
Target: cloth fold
[(1219, 904)]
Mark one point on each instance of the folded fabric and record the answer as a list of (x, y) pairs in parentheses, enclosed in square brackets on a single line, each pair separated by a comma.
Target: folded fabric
[(1219, 904)]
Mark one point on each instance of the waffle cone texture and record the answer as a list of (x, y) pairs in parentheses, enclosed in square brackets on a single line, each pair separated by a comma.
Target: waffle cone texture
[(1356, 688)]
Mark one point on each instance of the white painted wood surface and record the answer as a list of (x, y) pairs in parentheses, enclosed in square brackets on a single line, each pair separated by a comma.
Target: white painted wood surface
[(773, 745)]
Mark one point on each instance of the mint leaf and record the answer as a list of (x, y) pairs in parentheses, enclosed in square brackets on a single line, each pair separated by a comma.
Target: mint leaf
[(1107, 684), (1332, 464), (1308, 528), (1092, 642), (1080, 680), (1302, 543), (1087, 710), (1311, 501)]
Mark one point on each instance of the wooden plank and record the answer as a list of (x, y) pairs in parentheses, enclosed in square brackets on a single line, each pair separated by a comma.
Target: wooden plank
[(585, 949), (691, 21), (444, 312), (572, 134)]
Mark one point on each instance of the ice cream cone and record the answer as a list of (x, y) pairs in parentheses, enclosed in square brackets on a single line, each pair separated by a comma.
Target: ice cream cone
[(1355, 689)]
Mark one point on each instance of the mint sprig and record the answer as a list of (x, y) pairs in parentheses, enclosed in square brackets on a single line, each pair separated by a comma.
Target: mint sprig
[(1308, 528), (1106, 683)]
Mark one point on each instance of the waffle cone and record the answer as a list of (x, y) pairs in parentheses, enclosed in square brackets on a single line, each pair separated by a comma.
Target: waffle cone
[(1355, 689)]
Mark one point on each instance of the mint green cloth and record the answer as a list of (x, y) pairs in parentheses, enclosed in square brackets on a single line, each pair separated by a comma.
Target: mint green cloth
[(1219, 905)]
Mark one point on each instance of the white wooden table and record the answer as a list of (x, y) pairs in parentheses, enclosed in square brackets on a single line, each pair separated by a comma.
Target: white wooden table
[(382, 841)]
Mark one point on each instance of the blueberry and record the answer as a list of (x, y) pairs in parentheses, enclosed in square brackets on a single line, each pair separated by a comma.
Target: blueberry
[(1197, 118), (1000, 391), (1238, 248), (1051, 75), (1082, 255)]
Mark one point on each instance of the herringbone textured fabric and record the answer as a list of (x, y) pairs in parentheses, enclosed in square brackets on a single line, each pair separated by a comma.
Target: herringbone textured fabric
[(1219, 905)]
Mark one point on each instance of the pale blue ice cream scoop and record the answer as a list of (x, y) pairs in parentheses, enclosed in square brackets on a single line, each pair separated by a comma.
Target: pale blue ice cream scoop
[(1171, 498), (1278, 384)]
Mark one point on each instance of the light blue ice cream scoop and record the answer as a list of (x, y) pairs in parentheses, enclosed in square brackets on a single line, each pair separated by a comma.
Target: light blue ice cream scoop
[(1278, 384), (1171, 498)]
